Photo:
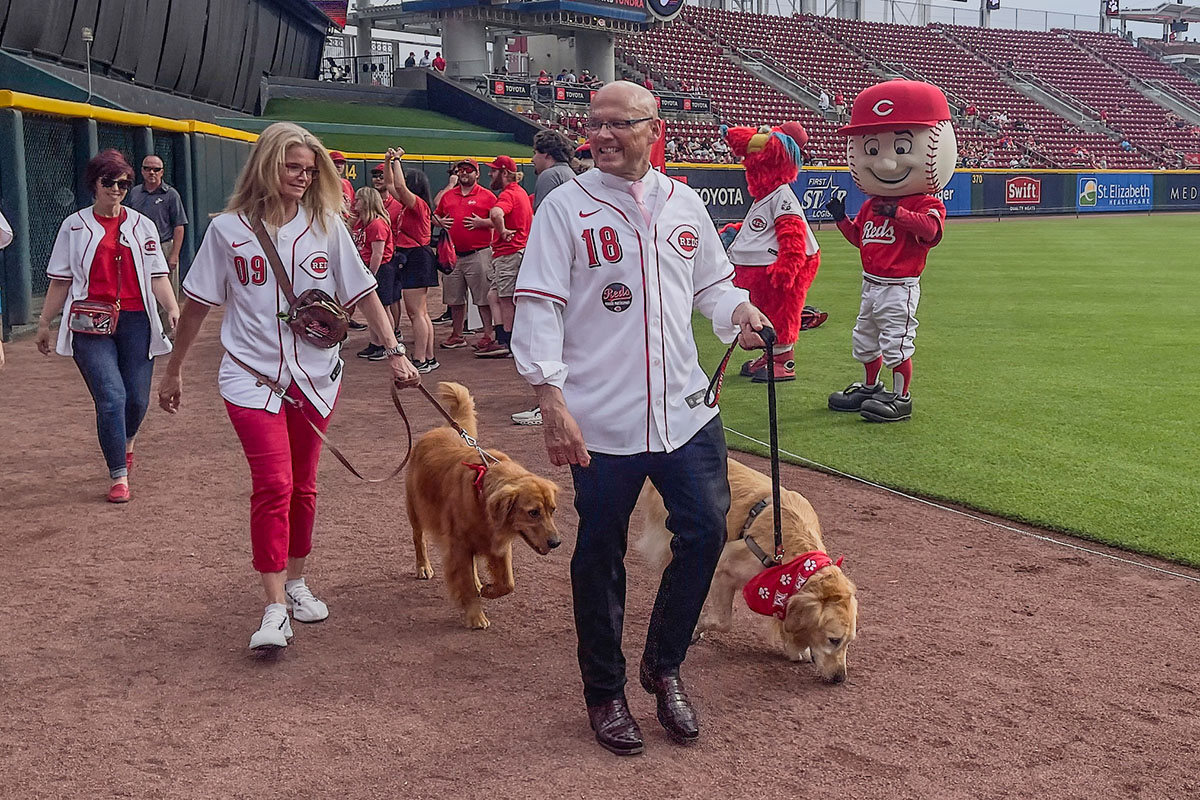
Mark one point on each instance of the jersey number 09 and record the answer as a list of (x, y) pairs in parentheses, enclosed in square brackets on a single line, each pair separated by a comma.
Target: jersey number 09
[(255, 272)]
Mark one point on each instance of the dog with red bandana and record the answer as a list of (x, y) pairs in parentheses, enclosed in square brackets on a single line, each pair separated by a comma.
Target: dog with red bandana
[(811, 605)]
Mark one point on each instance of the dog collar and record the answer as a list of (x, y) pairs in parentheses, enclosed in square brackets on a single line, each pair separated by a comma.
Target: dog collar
[(767, 593), (480, 470)]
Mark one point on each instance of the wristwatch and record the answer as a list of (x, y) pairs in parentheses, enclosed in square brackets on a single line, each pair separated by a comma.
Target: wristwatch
[(398, 350)]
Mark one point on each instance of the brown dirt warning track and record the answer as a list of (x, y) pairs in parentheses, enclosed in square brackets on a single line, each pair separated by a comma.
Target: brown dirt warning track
[(988, 664)]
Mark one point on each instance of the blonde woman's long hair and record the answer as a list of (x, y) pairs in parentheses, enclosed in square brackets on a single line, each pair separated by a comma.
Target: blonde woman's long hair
[(374, 201), (257, 193)]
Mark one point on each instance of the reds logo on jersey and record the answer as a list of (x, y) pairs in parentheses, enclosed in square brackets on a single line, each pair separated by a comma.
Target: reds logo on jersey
[(150, 247), (316, 265), (686, 240), (616, 297), (758, 224), (882, 233)]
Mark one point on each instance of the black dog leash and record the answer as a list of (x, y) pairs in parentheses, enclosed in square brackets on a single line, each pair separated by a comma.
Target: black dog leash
[(713, 394), (768, 337)]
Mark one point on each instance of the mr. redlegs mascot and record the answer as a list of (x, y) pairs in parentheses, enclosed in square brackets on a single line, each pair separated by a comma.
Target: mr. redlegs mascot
[(901, 152), (775, 255)]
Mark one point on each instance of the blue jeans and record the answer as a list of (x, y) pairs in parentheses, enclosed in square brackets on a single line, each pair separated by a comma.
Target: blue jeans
[(694, 485), (117, 371)]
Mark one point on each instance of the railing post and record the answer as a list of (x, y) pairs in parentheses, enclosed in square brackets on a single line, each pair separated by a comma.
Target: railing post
[(16, 276)]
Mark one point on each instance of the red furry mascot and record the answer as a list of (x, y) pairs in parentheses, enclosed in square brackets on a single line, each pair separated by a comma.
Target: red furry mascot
[(774, 253)]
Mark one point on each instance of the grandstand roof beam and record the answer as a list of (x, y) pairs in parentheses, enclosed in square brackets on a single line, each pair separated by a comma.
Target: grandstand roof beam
[(1162, 13)]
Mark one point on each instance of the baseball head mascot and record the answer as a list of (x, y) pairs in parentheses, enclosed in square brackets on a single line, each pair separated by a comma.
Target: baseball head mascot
[(774, 253), (901, 153)]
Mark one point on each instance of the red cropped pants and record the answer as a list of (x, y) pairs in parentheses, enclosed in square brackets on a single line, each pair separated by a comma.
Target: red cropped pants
[(283, 452)]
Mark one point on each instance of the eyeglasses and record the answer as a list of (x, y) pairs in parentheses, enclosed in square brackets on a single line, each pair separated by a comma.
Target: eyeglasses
[(614, 125), (152, 169), (123, 184), (296, 170)]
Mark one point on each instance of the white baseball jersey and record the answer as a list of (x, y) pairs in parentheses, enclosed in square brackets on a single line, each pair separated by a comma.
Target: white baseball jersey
[(756, 244), (232, 270), (604, 309), (71, 260), (6, 234)]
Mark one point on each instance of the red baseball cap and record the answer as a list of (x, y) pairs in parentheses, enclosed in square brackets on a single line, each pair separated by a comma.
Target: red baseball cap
[(584, 150), (505, 163), (379, 168), (897, 104), (470, 161), (336, 156)]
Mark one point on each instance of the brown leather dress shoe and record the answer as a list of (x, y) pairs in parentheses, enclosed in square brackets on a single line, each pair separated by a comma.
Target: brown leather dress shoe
[(616, 730), (675, 711)]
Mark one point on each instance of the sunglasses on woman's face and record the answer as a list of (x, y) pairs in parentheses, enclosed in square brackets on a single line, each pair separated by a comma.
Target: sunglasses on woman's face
[(124, 184)]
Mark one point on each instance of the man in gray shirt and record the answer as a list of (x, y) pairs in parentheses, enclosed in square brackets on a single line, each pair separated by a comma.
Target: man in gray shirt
[(162, 204), (552, 153)]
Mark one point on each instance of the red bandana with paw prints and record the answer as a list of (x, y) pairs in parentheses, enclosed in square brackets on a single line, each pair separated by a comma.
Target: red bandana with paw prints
[(767, 592)]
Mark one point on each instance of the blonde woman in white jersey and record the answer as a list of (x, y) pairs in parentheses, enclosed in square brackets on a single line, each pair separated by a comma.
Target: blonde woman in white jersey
[(291, 184)]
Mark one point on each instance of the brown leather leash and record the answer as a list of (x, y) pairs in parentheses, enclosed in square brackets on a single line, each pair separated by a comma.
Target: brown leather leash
[(281, 393)]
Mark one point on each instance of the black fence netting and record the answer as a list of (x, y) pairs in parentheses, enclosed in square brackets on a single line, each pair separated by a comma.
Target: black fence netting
[(164, 148), (118, 137), (49, 172)]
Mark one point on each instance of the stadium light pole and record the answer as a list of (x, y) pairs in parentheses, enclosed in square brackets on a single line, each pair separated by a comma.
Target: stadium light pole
[(87, 43)]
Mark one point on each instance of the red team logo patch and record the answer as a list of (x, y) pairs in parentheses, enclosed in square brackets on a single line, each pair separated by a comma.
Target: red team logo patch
[(316, 265), (685, 240), (758, 224), (616, 297), (151, 247)]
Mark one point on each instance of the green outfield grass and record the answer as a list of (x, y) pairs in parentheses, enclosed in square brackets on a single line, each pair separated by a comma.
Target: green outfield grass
[(1054, 379), (440, 142), (358, 114)]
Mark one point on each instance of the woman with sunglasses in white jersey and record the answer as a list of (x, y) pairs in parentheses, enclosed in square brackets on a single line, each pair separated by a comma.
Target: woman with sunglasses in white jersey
[(107, 277)]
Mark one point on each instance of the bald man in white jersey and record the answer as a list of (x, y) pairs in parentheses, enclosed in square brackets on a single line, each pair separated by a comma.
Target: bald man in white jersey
[(617, 260)]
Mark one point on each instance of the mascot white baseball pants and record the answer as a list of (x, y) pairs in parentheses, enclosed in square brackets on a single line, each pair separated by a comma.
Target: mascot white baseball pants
[(887, 320)]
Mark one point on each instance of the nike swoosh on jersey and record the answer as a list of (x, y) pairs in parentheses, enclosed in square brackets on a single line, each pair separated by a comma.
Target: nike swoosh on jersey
[(590, 213), (239, 244), (76, 229)]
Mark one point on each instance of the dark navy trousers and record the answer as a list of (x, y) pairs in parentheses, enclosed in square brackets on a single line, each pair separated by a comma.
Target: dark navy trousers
[(694, 484)]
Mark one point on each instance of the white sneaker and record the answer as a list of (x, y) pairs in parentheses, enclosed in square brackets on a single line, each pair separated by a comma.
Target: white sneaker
[(274, 630), (301, 602), (532, 417)]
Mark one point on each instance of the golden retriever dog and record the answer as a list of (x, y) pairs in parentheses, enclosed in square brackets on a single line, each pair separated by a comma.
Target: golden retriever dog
[(820, 620), (473, 517)]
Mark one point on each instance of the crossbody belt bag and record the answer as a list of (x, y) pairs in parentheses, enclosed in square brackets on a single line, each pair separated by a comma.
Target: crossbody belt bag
[(314, 316)]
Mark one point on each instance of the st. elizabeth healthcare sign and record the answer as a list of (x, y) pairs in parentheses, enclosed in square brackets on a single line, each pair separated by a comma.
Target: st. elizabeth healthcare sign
[(1114, 192)]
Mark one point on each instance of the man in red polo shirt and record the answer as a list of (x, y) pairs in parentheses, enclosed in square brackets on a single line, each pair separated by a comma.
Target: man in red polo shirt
[(463, 211), (510, 220)]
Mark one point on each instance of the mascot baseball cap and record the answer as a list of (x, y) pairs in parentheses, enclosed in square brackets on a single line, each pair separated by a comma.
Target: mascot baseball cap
[(336, 156), (895, 105), (505, 163)]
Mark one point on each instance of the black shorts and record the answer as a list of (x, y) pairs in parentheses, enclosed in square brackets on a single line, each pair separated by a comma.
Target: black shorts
[(388, 278), (419, 270)]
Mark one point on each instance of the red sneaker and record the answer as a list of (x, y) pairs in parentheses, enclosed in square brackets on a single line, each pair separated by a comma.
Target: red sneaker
[(753, 366), (119, 493), (492, 349), (784, 366), (454, 342), (483, 343)]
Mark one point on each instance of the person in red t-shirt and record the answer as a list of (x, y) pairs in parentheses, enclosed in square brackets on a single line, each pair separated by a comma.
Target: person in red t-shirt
[(463, 211), (372, 235), (439, 63), (339, 161), (108, 253), (416, 262), (902, 152), (510, 220)]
